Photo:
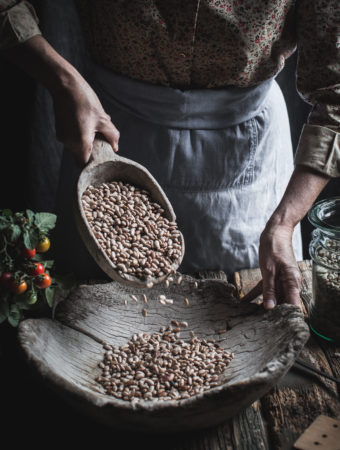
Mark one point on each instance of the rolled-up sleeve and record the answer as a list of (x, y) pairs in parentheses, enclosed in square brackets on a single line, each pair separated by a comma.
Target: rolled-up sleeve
[(18, 23), (318, 82)]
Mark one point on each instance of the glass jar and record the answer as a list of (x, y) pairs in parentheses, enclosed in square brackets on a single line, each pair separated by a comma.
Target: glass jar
[(324, 249)]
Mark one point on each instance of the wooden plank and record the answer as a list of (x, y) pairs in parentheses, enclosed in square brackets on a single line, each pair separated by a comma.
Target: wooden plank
[(289, 410), (324, 433), (246, 430)]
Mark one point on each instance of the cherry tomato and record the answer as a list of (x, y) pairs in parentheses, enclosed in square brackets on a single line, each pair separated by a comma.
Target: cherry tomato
[(36, 269), (32, 298), (43, 245), (18, 286), (43, 281), (5, 279), (27, 253)]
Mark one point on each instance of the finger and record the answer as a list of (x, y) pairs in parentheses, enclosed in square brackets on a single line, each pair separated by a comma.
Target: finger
[(82, 150), (269, 291), (253, 293), (290, 281), (111, 134)]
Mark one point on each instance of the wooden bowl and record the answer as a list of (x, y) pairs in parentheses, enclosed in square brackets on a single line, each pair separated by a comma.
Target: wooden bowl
[(66, 351), (105, 166)]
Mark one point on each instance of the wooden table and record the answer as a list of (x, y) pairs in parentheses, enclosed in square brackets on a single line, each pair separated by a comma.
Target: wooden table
[(273, 422), (276, 420)]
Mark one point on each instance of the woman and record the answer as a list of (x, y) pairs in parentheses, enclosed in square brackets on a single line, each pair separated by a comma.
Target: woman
[(189, 86)]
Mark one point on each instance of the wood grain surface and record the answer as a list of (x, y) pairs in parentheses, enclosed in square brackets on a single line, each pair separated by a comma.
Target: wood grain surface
[(274, 422), (289, 410), (67, 351)]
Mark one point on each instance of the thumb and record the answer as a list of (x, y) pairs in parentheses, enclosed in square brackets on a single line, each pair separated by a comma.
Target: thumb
[(269, 293), (111, 134)]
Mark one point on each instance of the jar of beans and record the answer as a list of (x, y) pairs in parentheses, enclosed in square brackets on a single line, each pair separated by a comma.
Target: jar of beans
[(324, 249)]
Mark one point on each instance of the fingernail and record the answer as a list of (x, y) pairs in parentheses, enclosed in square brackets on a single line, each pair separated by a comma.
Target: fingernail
[(270, 304), (115, 148)]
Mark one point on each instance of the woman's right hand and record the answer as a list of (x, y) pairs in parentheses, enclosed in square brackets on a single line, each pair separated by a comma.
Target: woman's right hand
[(79, 115)]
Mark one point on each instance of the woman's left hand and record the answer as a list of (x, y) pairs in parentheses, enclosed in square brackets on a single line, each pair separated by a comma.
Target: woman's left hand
[(281, 277)]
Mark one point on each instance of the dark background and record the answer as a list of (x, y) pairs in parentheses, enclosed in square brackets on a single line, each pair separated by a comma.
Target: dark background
[(30, 413)]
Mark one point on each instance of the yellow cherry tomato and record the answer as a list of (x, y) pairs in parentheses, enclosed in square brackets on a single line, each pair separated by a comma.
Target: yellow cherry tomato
[(43, 245)]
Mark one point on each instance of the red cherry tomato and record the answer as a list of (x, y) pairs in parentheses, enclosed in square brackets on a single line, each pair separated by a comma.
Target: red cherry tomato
[(27, 253), (43, 245), (43, 281), (18, 286), (37, 269), (5, 279)]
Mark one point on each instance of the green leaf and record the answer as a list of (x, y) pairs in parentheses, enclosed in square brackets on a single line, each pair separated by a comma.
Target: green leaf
[(49, 294), (22, 304), (65, 282), (48, 264), (30, 215), (4, 224), (13, 321), (14, 315), (7, 213), (31, 239), (4, 310), (14, 310), (45, 221), (40, 257), (15, 232)]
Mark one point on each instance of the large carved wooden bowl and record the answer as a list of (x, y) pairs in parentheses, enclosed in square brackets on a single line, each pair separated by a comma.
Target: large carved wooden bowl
[(66, 351)]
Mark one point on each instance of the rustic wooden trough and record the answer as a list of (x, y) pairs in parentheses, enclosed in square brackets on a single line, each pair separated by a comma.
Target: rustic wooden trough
[(66, 351)]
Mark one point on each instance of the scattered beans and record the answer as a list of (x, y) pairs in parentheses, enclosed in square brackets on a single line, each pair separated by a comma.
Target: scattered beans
[(186, 302), (161, 367), (132, 230)]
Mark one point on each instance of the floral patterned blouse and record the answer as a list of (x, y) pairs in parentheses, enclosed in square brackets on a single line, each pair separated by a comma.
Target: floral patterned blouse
[(214, 44)]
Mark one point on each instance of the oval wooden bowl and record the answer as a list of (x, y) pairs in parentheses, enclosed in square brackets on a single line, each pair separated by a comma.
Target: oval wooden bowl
[(105, 166), (66, 351)]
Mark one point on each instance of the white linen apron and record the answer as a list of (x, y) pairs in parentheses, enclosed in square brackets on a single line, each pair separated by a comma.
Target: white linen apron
[(223, 157)]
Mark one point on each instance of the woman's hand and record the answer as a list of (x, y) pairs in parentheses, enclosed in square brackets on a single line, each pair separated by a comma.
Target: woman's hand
[(78, 111), (79, 115), (281, 277)]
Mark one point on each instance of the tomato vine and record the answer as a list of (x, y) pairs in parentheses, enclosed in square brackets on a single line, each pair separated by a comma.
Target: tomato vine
[(27, 275)]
